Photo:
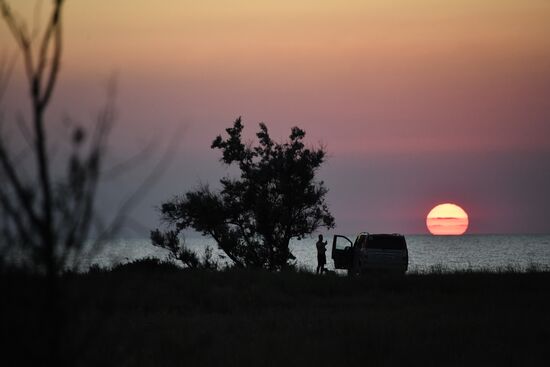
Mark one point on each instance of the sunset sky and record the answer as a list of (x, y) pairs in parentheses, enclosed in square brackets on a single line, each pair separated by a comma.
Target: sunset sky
[(418, 102)]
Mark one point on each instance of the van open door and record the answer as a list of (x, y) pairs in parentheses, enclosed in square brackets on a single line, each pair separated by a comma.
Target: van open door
[(342, 253)]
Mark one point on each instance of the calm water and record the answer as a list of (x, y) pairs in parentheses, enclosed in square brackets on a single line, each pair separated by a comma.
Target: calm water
[(425, 251)]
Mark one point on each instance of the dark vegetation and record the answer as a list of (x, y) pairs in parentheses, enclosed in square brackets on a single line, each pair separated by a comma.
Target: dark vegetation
[(253, 218), (153, 313)]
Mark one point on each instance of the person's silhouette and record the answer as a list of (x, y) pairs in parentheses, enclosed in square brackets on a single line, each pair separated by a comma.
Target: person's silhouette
[(321, 256)]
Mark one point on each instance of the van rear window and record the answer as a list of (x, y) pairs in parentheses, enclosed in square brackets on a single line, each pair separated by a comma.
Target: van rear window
[(386, 242)]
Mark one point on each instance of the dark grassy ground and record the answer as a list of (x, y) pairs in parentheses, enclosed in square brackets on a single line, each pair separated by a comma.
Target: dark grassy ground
[(142, 315)]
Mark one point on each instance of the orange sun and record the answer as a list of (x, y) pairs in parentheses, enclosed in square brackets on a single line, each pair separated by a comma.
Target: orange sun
[(447, 219)]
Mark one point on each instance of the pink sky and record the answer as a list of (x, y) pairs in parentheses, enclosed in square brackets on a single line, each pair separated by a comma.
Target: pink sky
[(418, 102)]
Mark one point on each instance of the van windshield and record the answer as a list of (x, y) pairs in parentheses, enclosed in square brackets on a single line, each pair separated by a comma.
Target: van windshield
[(386, 242)]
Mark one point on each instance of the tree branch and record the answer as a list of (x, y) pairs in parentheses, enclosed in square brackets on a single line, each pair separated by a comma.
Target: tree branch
[(12, 177), (56, 29)]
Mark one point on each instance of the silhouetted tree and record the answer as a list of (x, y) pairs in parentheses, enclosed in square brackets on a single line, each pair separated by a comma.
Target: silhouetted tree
[(177, 250), (254, 217), (46, 213)]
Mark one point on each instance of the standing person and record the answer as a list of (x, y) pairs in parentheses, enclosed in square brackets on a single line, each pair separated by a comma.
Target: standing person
[(321, 256)]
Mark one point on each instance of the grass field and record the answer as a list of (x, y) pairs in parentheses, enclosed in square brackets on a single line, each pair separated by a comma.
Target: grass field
[(150, 314)]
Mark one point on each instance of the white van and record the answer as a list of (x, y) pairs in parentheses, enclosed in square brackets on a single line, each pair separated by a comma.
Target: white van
[(370, 252)]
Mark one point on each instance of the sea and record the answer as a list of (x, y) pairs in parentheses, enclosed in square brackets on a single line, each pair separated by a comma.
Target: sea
[(426, 252)]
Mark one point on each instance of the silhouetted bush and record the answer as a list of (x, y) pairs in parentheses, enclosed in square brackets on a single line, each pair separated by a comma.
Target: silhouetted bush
[(145, 265), (253, 218)]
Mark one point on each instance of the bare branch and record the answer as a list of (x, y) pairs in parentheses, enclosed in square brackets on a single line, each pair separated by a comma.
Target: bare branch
[(55, 29), (6, 70), (36, 20), (18, 30), (15, 182), (148, 182), (24, 129), (130, 163), (13, 214)]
